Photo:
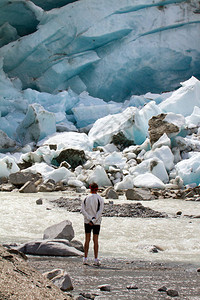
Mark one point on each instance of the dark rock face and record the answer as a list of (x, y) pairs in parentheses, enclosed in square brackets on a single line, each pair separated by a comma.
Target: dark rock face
[(20, 178), (121, 141), (73, 156), (157, 127)]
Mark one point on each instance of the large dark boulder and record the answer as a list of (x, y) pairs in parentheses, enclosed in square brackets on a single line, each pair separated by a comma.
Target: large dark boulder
[(20, 178), (74, 157)]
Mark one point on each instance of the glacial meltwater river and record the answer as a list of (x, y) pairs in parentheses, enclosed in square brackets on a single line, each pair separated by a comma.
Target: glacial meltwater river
[(21, 220)]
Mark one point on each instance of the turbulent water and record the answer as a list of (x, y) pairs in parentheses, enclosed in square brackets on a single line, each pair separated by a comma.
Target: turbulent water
[(22, 220)]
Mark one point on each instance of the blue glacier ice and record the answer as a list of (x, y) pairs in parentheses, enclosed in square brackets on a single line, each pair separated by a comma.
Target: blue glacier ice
[(110, 49)]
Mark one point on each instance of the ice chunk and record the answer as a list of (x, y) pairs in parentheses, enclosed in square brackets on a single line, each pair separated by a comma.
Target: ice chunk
[(189, 169), (115, 159), (163, 141), (151, 165), (8, 166), (7, 34), (37, 124), (126, 183), (194, 119), (103, 130), (184, 99), (148, 180), (99, 176), (165, 154), (68, 140), (90, 109)]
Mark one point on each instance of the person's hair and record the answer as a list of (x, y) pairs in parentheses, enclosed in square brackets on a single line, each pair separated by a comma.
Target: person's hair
[(94, 187)]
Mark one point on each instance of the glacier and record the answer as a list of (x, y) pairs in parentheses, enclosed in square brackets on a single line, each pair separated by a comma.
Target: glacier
[(89, 75), (111, 50)]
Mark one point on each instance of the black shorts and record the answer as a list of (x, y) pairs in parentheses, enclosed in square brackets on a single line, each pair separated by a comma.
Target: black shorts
[(89, 228)]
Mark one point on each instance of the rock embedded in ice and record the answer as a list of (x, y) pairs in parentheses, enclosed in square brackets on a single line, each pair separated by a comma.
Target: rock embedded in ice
[(152, 165), (148, 180), (37, 124), (163, 141), (8, 166), (6, 143), (105, 128), (74, 157), (165, 154), (158, 125)]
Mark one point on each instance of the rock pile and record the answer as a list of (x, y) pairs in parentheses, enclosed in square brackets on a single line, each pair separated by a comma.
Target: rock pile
[(20, 281)]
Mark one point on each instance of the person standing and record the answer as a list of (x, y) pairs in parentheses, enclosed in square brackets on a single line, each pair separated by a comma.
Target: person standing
[(92, 208)]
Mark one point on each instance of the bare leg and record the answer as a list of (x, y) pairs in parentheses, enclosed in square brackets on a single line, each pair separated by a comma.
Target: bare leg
[(96, 245), (87, 242)]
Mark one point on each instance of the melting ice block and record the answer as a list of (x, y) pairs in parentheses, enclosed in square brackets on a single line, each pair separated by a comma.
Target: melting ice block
[(189, 169), (183, 100), (37, 124)]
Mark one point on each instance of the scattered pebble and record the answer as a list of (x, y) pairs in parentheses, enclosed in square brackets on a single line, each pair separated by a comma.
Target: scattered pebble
[(172, 293), (105, 287), (132, 287), (162, 289)]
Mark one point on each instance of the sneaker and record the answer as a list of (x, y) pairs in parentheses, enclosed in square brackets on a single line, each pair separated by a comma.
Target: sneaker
[(97, 262), (85, 261)]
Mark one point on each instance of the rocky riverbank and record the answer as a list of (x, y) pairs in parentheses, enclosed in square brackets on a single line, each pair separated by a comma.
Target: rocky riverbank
[(21, 278), (125, 279)]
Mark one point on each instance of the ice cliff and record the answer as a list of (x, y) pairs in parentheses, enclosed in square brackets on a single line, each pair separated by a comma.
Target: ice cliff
[(112, 49)]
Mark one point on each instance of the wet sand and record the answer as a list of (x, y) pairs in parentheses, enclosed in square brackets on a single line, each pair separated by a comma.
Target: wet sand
[(148, 277)]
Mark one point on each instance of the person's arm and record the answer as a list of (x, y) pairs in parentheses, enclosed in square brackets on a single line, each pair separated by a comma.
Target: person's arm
[(84, 212), (99, 212)]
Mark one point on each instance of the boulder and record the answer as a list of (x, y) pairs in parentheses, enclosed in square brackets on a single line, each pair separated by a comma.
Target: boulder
[(54, 247), (74, 157), (62, 230), (77, 244), (39, 201), (158, 126), (6, 187), (138, 194), (105, 287), (63, 281), (111, 194), (46, 187), (53, 273), (28, 187), (20, 178)]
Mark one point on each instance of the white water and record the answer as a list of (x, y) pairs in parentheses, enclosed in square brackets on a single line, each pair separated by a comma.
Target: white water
[(22, 220)]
